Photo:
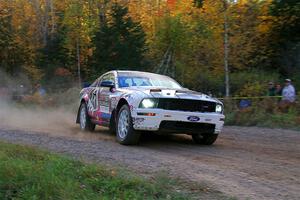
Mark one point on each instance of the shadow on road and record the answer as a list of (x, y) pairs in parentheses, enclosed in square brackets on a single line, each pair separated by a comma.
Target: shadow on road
[(149, 139)]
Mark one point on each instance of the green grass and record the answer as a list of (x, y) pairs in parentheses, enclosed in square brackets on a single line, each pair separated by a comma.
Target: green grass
[(29, 173)]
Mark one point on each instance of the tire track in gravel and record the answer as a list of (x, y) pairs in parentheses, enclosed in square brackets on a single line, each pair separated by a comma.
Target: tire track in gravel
[(245, 162)]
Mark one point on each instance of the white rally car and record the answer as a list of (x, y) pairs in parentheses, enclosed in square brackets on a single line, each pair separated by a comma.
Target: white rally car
[(130, 101)]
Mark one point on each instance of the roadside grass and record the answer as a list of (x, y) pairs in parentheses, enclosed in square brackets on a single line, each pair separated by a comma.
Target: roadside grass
[(263, 113), (30, 173), (261, 119)]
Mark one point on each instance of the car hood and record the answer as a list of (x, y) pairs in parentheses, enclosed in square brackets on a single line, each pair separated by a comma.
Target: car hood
[(183, 93)]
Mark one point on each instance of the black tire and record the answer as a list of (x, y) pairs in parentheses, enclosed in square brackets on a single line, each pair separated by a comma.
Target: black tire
[(88, 125), (206, 139), (131, 136), (112, 124)]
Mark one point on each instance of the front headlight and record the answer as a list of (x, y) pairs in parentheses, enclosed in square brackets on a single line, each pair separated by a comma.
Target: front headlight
[(219, 108), (148, 103)]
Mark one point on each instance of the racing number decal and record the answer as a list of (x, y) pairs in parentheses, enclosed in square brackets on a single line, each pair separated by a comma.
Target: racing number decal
[(93, 102)]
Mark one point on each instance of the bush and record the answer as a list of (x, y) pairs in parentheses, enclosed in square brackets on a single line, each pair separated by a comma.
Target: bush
[(247, 83), (251, 83), (262, 112)]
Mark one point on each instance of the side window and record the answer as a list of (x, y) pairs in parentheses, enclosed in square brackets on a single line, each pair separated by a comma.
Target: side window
[(95, 83), (107, 77)]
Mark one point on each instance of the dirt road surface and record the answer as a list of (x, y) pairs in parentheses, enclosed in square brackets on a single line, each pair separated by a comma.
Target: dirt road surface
[(245, 162)]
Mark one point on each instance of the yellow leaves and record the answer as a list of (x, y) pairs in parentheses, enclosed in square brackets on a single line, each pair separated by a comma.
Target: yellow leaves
[(196, 33), (34, 73), (264, 28), (253, 89), (181, 7)]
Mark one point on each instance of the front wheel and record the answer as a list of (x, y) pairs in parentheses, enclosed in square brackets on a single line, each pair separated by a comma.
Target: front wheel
[(84, 119), (206, 139), (125, 133), (112, 124)]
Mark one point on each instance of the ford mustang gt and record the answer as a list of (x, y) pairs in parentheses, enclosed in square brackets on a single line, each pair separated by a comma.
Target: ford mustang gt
[(129, 102)]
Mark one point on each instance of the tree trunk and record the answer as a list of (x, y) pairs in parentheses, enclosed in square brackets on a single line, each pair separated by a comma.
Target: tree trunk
[(46, 22), (226, 68), (102, 10), (53, 22), (78, 61), (39, 17)]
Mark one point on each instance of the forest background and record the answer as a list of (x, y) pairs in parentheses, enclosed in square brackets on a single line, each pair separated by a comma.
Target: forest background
[(198, 42)]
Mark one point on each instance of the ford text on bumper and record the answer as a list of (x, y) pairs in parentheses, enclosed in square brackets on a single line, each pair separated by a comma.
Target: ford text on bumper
[(177, 121)]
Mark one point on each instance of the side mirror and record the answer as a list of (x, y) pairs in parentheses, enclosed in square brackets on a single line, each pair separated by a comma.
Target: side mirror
[(108, 84)]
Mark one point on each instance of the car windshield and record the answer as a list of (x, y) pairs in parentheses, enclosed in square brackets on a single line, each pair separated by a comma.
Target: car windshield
[(140, 79)]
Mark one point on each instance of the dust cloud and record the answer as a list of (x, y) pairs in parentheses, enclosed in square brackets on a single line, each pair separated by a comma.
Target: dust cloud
[(50, 121), (55, 120), (35, 119)]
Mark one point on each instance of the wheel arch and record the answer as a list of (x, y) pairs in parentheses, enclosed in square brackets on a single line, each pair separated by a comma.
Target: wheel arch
[(115, 112), (77, 118)]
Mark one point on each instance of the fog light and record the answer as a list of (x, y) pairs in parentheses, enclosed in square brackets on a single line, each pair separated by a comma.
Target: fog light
[(146, 114)]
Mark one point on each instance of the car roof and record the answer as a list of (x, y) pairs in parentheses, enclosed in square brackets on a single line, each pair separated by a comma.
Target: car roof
[(138, 72)]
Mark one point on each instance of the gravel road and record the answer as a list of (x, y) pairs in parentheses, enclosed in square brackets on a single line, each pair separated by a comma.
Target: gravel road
[(245, 162)]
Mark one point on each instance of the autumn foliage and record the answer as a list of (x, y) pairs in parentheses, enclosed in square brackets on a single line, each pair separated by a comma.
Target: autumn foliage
[(180, 38)]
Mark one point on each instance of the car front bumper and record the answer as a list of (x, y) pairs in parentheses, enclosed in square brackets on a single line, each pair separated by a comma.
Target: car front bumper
[(177, 121)]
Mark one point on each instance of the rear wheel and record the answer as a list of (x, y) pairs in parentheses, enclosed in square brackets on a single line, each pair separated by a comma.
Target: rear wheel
[(125, 133), (206, 139), (84, 119)]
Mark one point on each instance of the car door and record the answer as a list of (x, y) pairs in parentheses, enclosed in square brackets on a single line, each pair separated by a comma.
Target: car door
[(93, 103), (105, 98)]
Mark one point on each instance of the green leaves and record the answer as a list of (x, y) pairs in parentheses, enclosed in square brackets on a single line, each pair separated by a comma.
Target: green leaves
[(89, 37), (119, 43)]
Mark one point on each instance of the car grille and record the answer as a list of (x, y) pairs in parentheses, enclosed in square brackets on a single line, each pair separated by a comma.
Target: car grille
[(186, 127), (186, 105)]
